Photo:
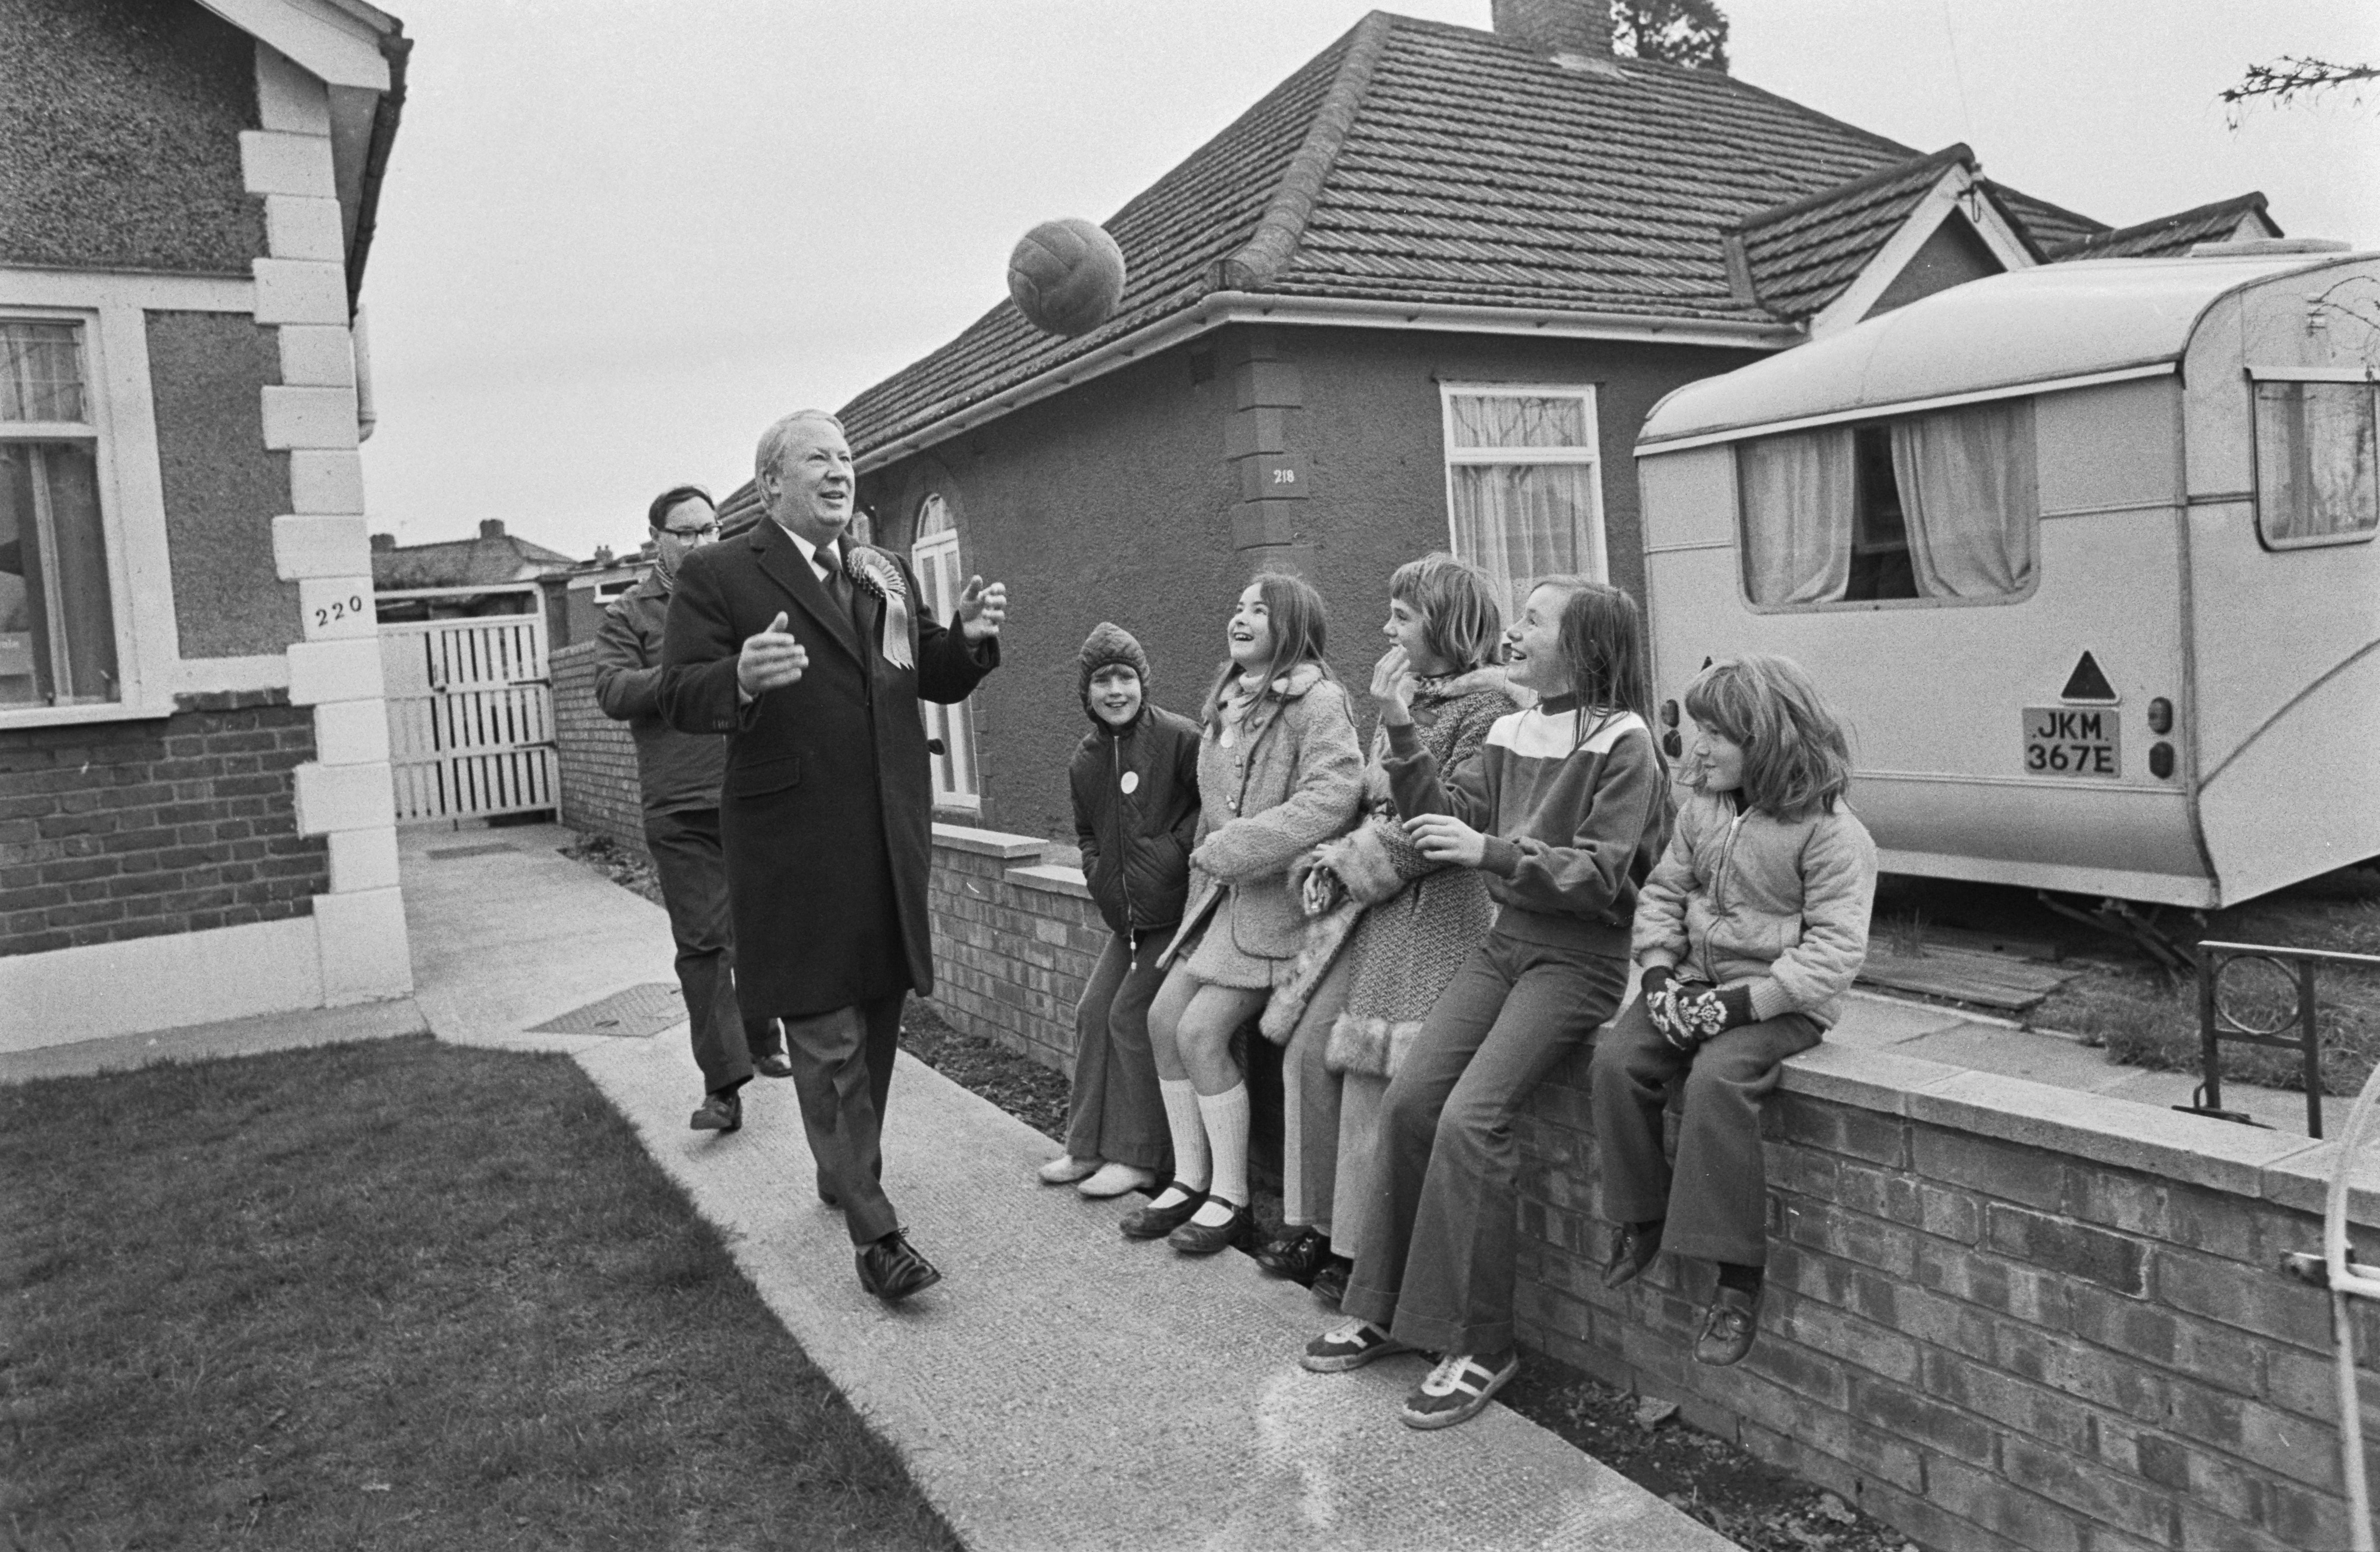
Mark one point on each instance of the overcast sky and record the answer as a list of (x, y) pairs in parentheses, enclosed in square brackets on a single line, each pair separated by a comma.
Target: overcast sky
[(619, 236)]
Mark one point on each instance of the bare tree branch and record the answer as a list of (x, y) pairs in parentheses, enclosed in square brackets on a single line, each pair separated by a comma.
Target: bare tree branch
[(2294, 78)]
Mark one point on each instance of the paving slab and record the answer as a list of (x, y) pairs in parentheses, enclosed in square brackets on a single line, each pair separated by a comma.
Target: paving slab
[(1064, 1387), (244, 1037)]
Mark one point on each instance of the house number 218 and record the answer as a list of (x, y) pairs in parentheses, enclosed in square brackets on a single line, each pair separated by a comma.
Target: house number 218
[(339, 608)]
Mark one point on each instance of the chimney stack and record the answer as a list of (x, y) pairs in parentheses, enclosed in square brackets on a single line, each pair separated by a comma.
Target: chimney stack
[(492, 528), (382, 541), (1556, 27)]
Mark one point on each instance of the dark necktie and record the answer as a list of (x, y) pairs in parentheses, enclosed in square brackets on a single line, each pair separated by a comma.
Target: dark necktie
[(838, 585)]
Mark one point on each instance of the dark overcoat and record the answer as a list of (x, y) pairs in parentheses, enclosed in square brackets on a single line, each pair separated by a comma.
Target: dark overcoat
[(826, 809)]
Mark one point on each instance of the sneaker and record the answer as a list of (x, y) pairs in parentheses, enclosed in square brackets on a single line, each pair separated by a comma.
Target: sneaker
[(1065, 1169), (1458, 1388), (1329, 1284), (1349, 1347), (1732, 1322), (1116, 1180)]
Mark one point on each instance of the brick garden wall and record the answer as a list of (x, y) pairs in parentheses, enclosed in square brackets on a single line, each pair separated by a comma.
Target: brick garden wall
[(110, 831), (2000, 1316), (597, 755)]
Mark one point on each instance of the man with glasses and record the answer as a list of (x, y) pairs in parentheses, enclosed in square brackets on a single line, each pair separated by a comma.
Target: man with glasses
[(679, 773)]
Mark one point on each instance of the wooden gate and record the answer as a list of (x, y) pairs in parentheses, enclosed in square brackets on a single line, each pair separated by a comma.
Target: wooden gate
[(470, 715)]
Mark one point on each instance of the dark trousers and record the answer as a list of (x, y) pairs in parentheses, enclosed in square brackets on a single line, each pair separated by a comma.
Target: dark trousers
[(1716, 1198), (1114, 1111), (1440, 1216), (683, 845), (843, 1070)]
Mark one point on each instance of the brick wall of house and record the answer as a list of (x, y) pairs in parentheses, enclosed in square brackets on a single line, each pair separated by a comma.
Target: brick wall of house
[(2000, 1316), (598, 756), (110, 831)]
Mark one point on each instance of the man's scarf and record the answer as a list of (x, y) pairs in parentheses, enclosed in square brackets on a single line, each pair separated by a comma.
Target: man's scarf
[(874, 570)]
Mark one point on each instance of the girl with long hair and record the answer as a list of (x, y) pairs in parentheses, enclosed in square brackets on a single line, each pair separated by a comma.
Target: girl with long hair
[(1279, 771), (1387, 927), (1749, 933), (1562, 815)]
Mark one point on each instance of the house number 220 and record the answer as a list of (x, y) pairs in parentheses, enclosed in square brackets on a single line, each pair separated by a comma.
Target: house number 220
[(339, 608)]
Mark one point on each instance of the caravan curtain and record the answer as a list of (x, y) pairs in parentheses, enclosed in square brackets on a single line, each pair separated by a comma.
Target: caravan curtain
[(1518, 522), (1798, 492), (2317, 469), (1970, 497)]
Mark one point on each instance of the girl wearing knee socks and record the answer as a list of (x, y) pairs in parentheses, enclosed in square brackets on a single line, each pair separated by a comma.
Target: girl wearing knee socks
[(1279, 771), (1563, 815), (1390, 928), (1749, 932)]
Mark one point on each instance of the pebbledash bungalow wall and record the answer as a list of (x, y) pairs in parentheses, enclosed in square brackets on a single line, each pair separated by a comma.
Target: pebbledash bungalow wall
[(2001, 1315)]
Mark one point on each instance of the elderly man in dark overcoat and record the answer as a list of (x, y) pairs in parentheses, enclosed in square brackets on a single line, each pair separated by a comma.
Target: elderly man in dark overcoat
[(810, 652)]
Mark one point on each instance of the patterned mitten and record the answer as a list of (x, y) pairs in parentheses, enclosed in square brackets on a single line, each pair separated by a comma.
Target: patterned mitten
[(1655, 986), (1705, 1013)]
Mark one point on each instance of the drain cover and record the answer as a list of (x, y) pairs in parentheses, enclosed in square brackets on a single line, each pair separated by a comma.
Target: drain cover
[(639, 1012), (486, 848)]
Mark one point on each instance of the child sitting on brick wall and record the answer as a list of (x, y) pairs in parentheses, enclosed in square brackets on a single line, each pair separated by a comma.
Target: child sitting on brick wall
[(1134, 780), (1749, 933)]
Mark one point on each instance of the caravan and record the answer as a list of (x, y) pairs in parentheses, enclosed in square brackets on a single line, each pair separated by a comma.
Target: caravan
[(2086, 554)]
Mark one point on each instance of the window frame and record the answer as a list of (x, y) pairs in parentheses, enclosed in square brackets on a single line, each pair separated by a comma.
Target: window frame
[(2306, 376), (1738, 538), (1598, 559), (956, 724), (101, 336)]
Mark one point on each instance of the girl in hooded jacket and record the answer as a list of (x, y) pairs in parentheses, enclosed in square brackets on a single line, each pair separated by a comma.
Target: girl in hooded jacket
[(1749, 933), (1279, 771), (1388, 927), (1134, 780)]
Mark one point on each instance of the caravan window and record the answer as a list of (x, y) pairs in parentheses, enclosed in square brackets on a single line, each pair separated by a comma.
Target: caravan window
[(2317, 475), (1938, 508)]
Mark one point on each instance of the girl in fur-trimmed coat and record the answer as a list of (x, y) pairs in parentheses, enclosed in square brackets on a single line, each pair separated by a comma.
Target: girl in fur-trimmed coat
[(1279, 771), (1389, 927)]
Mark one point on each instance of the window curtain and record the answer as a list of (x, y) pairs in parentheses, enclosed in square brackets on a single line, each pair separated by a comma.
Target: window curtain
[(1518, 522), (1970, 497), (50, 532), (2317, 468), (40, 371), (1511, 420), (1798, 494)]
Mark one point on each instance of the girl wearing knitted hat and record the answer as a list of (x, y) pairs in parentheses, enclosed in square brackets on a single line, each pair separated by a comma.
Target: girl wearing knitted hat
[(1135, 779), (1279, 771)]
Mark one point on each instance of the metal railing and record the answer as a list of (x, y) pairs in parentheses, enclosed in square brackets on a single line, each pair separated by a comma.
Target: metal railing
[(2221, 1019)]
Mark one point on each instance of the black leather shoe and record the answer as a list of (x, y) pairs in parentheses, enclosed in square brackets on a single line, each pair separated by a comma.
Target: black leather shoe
[(1628, 1252), (719, 1112), (892, 1269), (1199, 1238), (1729, 1327), (1155, 1222), (1297, 1255), (776, 1064), (1329, 1284)]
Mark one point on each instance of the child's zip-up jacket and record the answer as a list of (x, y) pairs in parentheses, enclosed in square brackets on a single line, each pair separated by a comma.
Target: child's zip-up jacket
[(1742, 897), (1574, 813), (1135, 792)]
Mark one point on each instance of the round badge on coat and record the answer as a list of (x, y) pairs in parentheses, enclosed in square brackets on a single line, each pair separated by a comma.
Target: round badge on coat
[(1130, 782)]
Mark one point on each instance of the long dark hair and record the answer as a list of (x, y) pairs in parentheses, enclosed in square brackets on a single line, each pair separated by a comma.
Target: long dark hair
[(1797, 759), (1601, 648), (1295, 614)]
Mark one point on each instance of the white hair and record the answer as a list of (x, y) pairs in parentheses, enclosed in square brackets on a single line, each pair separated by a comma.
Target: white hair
[(772, 441)]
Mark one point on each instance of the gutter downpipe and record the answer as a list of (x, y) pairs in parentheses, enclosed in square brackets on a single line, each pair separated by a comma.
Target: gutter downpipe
[(395, 48)]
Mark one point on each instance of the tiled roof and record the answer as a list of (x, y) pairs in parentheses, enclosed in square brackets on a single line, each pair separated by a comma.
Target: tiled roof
[(2170, 237), (1414, 162), (2050, 226), (1802, 256), (463, 563)]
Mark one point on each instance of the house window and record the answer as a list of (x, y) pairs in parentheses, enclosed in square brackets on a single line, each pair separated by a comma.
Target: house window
[(1927, 509), (939, 578), (1524, 483), (2317, 474), (57, 622)]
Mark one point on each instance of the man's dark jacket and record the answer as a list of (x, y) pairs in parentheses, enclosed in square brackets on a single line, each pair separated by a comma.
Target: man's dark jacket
[(676, 771), (1136, 843), (827, 808)]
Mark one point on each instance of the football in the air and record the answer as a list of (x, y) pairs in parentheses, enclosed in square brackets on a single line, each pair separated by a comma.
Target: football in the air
[(1067, 276)]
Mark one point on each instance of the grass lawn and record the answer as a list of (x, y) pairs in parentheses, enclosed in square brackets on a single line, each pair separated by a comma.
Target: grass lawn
[(395, 1296)]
